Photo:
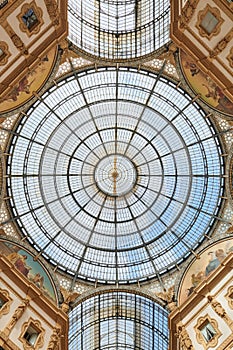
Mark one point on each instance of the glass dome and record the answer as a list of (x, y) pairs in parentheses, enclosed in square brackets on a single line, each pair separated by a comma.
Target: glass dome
[(118, 30), (121, 175), (118, 321)]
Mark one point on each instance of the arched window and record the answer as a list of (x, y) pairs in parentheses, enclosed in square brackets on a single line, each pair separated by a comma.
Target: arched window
[(119, 30), (118, 321)]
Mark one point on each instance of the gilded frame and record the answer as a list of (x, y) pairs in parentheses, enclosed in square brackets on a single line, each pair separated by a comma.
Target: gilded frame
[(230, 57), (4, 47), (200, 338), (8, 300), (228, 296), (40, 339), (201, 15), (39, 14)]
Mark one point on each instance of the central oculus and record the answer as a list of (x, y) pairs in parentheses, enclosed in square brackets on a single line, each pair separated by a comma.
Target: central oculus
[(115, 175)]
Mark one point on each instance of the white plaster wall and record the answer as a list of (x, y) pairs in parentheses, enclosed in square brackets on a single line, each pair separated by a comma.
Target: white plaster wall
[(32, 311), (226, 280), (195, 311), (11, 48), (222, 326)]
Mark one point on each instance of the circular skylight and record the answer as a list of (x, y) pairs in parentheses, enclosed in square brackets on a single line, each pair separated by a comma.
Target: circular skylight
[(118, 30), (125, 321), (121, 172), (115, 175)]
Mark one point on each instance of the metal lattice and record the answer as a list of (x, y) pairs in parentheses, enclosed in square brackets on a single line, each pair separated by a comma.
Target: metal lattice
[(118, 30), (115, 175), (118, 321)]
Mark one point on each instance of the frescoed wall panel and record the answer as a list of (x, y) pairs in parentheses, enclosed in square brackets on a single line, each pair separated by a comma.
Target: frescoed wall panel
[(31, 269), (32, 82), (201, 268), (202, 84)]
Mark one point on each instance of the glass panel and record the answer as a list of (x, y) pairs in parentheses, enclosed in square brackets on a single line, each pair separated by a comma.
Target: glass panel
[(115, 29), (208, 332), (118, 320), (209, 22), (120, 187), (30, 19)]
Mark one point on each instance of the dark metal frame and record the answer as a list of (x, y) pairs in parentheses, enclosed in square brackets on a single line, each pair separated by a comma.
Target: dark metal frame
[(149, 320), (50, 239), (107, 36)]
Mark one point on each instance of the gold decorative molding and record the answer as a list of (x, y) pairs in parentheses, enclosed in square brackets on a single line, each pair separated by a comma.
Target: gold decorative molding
[(54, 339), (29, 52), (184, 339), (220, 311), (202, 322), (222, 44), (16, 315), (39, 342), (170, 54), (230, 57), (9, 8), (15, 38), (226, 344), (214, 11), (229, 296), (168, 296), (187, 13), (53, 11), (5, 296), (68, 297), (41, 307), (5, 53), (217, 282), (31, 28), (7, 343)]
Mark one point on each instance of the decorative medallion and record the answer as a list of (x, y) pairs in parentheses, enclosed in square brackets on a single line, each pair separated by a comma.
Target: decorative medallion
[(209, 22), (30, 18)]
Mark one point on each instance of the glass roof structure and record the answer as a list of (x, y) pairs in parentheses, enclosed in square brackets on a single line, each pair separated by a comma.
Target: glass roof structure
[(115, 175), (118, 321), (119, 30)]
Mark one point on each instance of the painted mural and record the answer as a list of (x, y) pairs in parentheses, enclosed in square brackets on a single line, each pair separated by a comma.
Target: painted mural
[(31, 82), (33, 270), (202, 84), (201, 268)]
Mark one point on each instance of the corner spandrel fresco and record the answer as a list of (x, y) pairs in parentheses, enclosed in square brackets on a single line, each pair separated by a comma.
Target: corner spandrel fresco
[(202, 84), (33, 81), (201, 268), (31, 269)]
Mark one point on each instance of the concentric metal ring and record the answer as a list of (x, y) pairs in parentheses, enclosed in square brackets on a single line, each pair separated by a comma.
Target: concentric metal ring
[(115, 175), (163, 182)]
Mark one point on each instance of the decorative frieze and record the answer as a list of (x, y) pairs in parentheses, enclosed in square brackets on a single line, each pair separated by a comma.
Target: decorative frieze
[(54, 339), (220, 311), (17, 41), (4, 53), (183, 336), (53, 11), (16, 315), (222, 44), (5, 302), (230, 57), (187, 13)]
